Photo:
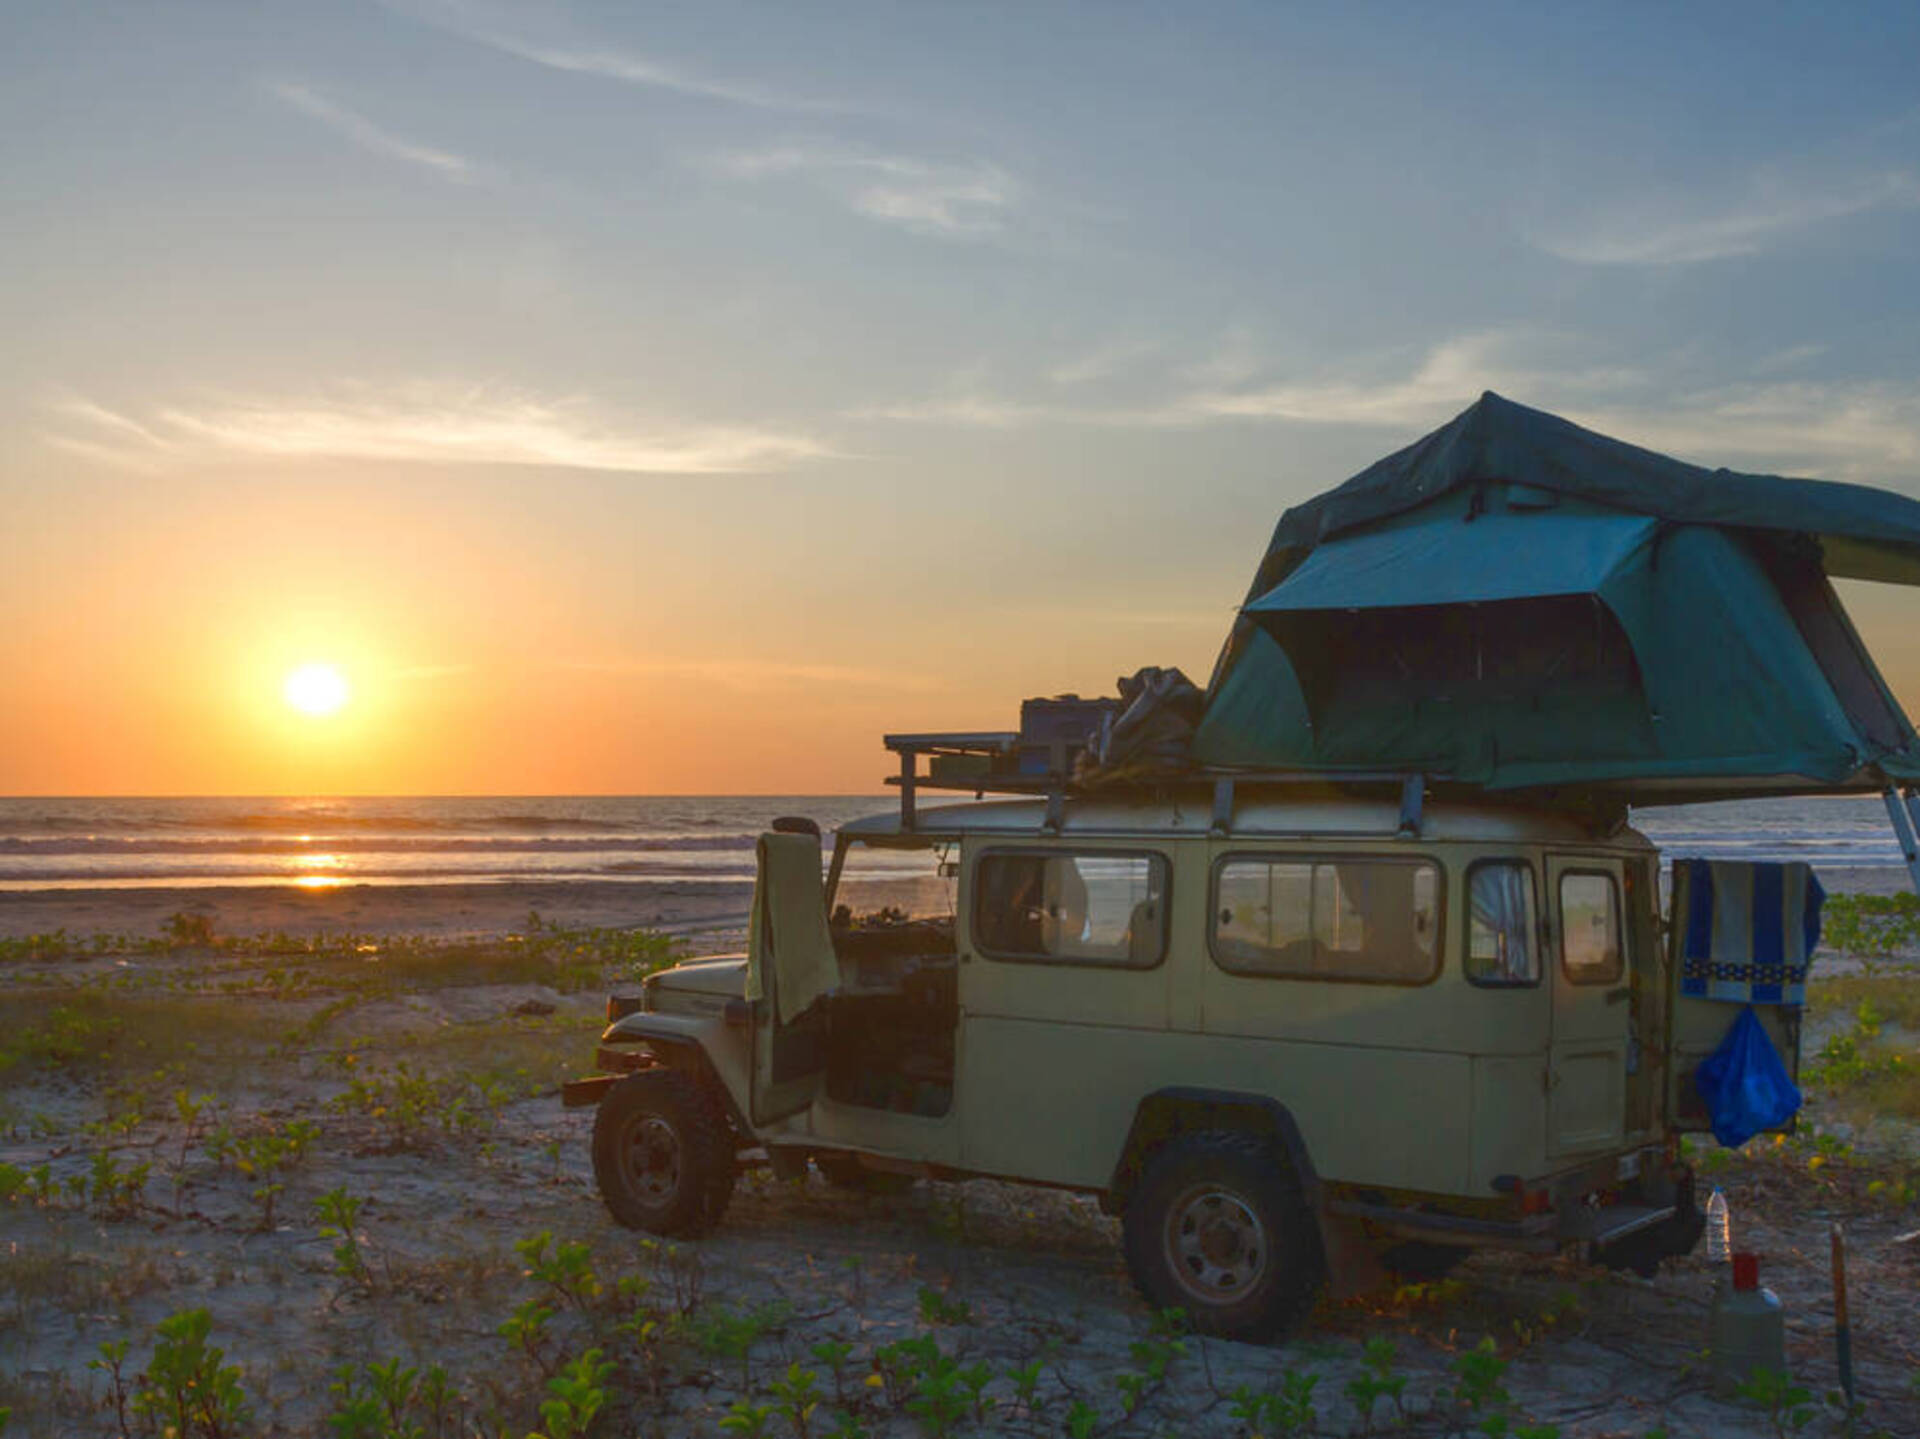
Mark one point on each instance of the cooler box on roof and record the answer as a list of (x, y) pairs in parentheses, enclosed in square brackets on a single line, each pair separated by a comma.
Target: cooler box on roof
[(1065, 719)]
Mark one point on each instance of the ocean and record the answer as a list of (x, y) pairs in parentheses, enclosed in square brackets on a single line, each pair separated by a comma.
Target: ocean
[(132, 843)]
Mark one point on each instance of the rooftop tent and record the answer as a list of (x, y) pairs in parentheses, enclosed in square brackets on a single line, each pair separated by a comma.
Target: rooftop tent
[(1515, 602)]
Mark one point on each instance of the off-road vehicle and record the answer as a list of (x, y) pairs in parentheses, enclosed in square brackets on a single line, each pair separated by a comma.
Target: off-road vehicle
[(1284, 1031)]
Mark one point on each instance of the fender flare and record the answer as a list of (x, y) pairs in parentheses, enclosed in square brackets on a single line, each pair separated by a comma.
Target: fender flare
[(1184, 1109), (680, 1041)]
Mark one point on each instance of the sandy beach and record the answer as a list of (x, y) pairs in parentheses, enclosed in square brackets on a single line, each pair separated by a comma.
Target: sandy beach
[(711, 913), (423, 1088)]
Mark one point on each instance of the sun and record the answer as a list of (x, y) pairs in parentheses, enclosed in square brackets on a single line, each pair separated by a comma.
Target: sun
[(316, 689)]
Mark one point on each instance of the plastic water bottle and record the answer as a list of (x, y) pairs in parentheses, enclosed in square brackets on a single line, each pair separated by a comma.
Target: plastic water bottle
[(1719, 1229)]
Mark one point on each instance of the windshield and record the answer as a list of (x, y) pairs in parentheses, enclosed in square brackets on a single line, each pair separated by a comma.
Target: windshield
[(900, 884)]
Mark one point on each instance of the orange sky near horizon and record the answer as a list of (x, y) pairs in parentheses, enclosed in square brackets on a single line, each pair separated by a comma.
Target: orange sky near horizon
[(160, 646), (714, 659)]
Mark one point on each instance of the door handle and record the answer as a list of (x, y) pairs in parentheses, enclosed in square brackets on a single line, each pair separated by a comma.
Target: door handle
[(1620, 995)]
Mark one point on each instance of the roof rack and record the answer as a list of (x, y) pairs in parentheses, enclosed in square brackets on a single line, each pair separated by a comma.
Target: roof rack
[(985, 762)]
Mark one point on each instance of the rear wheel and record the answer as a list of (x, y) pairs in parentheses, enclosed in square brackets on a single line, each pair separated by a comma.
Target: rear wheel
[(663, 1154), (1219, 1227)]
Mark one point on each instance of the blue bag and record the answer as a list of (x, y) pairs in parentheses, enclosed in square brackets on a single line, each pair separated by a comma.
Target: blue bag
[(1745, 1085)]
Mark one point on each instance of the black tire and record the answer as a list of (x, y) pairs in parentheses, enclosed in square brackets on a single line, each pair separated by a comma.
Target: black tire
[(844, 1171), (663, 1154), (1218, 1226)]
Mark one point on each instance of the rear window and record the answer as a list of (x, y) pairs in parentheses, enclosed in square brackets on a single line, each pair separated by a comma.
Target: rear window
[(1088, 908), (1374, 920), (1590, 928)]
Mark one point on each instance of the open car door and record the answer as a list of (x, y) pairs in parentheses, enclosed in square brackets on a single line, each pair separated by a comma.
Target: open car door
[(791, 969), (1739, 935)]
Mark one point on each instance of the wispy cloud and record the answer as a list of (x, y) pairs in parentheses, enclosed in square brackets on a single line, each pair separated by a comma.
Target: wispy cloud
[(485, 26), (1442, 381), (1842, 429), (369, 136), (967, 199), (416, 424), (1680, 232), (970, 409)]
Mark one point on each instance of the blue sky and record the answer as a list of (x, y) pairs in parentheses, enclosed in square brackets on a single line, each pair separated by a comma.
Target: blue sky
[(934, 355)]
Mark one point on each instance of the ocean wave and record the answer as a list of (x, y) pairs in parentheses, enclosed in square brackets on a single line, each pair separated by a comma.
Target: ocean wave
[(373, 844), (22, 875)]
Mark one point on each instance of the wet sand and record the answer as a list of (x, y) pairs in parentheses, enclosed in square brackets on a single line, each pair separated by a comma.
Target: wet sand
[(441, 910)]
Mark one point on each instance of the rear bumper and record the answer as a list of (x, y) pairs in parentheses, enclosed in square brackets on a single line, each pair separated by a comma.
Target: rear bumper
[(1537, 1234), (1598, 1203)]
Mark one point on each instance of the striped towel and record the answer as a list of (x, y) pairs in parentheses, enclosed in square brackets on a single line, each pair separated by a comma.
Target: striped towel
[(1747, 931)]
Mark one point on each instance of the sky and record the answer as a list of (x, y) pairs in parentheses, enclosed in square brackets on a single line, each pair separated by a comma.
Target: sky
[(648, 399)]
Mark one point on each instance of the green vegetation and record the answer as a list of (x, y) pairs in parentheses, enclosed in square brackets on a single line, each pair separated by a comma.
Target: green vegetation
[(187, 1389), (1870, 925)]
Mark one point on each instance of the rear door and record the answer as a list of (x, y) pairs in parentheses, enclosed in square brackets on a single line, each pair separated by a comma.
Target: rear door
[(1587, 1062), (1698, 1025)]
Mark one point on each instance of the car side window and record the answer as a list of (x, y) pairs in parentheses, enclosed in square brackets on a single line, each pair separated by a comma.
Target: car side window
[(1503, 924), (1590, 946), (1089, 908), (1359, 919)]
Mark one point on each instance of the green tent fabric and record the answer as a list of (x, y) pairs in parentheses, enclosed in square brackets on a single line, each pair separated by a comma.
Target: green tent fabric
[(1501, 557), (1516, 603)]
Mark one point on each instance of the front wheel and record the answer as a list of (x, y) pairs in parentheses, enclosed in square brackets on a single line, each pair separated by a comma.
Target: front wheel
[(1219, 1227), (663, 1154)]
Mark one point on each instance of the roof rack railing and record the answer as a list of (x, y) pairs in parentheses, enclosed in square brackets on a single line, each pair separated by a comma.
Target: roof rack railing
[(969, 755), (987, 762)]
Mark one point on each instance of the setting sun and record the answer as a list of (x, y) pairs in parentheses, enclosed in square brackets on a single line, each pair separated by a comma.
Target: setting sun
[(316, 689)]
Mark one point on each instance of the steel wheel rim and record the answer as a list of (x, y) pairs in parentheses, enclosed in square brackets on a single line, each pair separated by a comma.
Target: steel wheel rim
[(651, 1158), (1215, 1245)]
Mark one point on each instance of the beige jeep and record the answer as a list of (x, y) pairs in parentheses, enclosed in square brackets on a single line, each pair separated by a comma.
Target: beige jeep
[(1285, 1034)]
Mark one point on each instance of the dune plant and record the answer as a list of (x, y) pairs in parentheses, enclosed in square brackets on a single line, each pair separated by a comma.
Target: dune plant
[(566, 1268), (799, 1396), (111, 1361), (575, 1396), (187, 1390), (114, 1191), (339, 1212), (526, 1330)]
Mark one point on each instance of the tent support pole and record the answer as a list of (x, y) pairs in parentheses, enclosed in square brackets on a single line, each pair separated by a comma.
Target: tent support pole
[(1912, 798), (1903, 831)]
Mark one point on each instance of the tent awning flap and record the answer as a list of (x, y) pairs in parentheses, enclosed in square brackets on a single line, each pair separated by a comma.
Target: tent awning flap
[(1478, 561)]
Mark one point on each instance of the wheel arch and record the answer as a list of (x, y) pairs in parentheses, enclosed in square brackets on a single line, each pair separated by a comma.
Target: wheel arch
[(1182, 1109), (681, 1042)]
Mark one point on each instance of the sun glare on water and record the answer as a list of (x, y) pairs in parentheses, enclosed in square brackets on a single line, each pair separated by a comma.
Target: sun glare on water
[(316, 689)]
